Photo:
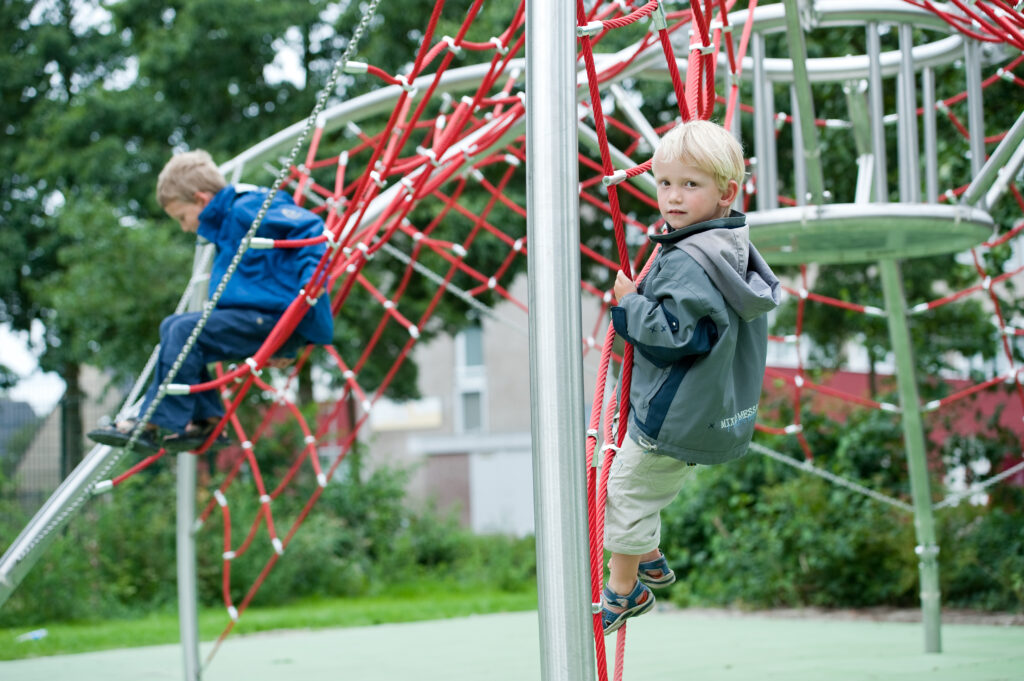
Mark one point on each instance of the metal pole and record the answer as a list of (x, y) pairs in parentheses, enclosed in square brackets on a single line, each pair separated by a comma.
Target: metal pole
[(556, 364), (764, 128), (800, 19), (975, 110), (188, 612), (913, 437), (799, 159), (909, 151), (931, 153), (875, 110)]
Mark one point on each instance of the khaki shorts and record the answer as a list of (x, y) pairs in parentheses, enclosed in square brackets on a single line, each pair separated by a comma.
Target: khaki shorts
[(641, 483)]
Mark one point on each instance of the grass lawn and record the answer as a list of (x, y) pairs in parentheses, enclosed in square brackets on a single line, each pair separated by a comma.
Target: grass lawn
[(402, 604)]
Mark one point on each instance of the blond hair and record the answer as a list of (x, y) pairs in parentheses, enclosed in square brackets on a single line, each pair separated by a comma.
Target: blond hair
[(188, 173), (706, 145)]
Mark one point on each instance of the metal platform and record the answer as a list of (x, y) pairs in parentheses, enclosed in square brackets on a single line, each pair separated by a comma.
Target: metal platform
[(866, 232)]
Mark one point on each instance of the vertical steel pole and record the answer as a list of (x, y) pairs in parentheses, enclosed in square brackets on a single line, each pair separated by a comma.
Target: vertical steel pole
[(913, 437), (909, 150), (188, 594), (799, 158), (975, 110), (876, 113), (931, 153), (556, 365), (764, 128), (188, 615)]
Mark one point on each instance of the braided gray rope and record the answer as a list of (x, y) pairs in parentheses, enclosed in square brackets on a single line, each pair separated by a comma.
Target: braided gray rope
[(954, 498), (243, 246), (808, 467)]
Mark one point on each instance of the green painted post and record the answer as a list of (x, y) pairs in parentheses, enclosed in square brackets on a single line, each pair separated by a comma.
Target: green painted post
[(913, 437)]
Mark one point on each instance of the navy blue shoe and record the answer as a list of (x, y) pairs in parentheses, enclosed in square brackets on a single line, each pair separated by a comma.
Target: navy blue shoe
[(120, 434), (616, 609)]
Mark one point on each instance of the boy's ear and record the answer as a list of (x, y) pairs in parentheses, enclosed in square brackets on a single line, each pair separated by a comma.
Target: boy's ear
[(202, 198), (732, 190)]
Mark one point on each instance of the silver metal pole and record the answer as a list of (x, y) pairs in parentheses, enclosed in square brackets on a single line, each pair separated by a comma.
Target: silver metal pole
[(927, 548), (909, 154), (799, 159), (975, 112), (556, 365), (874, 45), (764, 129), (188, 611), (1000, 167), (799, 18), (931, 148)]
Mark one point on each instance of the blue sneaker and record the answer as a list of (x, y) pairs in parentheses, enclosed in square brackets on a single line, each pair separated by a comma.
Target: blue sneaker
[(616, 609), (656, 573)]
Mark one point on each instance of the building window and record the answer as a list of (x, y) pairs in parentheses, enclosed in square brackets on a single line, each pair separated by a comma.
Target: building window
[(470, 381), (472, 412)]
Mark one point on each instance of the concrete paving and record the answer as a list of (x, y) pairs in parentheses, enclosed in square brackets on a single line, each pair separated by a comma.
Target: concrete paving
[(698, 645)]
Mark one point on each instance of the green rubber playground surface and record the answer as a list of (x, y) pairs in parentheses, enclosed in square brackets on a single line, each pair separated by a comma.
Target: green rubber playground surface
[(698, 645)]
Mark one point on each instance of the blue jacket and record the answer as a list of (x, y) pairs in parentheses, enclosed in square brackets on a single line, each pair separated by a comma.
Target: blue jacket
[(700, 337), (266, 280)]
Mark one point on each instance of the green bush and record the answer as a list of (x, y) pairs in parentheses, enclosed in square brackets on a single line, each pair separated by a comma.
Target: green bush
[(361, 538), (758, 533)]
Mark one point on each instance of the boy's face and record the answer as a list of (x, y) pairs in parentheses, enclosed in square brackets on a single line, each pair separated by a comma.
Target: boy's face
[(187, 212), (688, 195)]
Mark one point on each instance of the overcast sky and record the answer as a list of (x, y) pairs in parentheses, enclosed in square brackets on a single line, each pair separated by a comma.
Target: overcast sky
[(39, 389)]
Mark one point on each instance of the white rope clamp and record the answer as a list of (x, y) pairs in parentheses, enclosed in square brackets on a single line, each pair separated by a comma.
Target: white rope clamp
[(703, 49), (222, 501), (102, 487), (590, 29), (429, 155), (356, 67), (658, 20), (501, 48), (615, 178), (452, 47), (178, 389), (253, 366), (406, 84), (278, 546), (233, 613), (261, 243)]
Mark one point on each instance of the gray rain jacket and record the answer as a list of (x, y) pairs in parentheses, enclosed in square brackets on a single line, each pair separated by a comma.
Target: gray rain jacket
[(700, 337)]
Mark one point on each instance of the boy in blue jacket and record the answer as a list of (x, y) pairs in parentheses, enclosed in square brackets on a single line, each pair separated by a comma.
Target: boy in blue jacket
[(192, 190), (698, 328)]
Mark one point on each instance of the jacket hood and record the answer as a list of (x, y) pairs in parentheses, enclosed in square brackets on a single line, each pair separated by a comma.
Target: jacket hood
[(723, 250)]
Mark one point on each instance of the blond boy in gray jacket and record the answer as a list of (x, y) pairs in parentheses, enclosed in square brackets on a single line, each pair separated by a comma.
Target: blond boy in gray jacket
[(699, 332)]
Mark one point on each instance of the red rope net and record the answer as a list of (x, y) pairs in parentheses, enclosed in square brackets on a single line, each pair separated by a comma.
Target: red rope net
[(402, 185)]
